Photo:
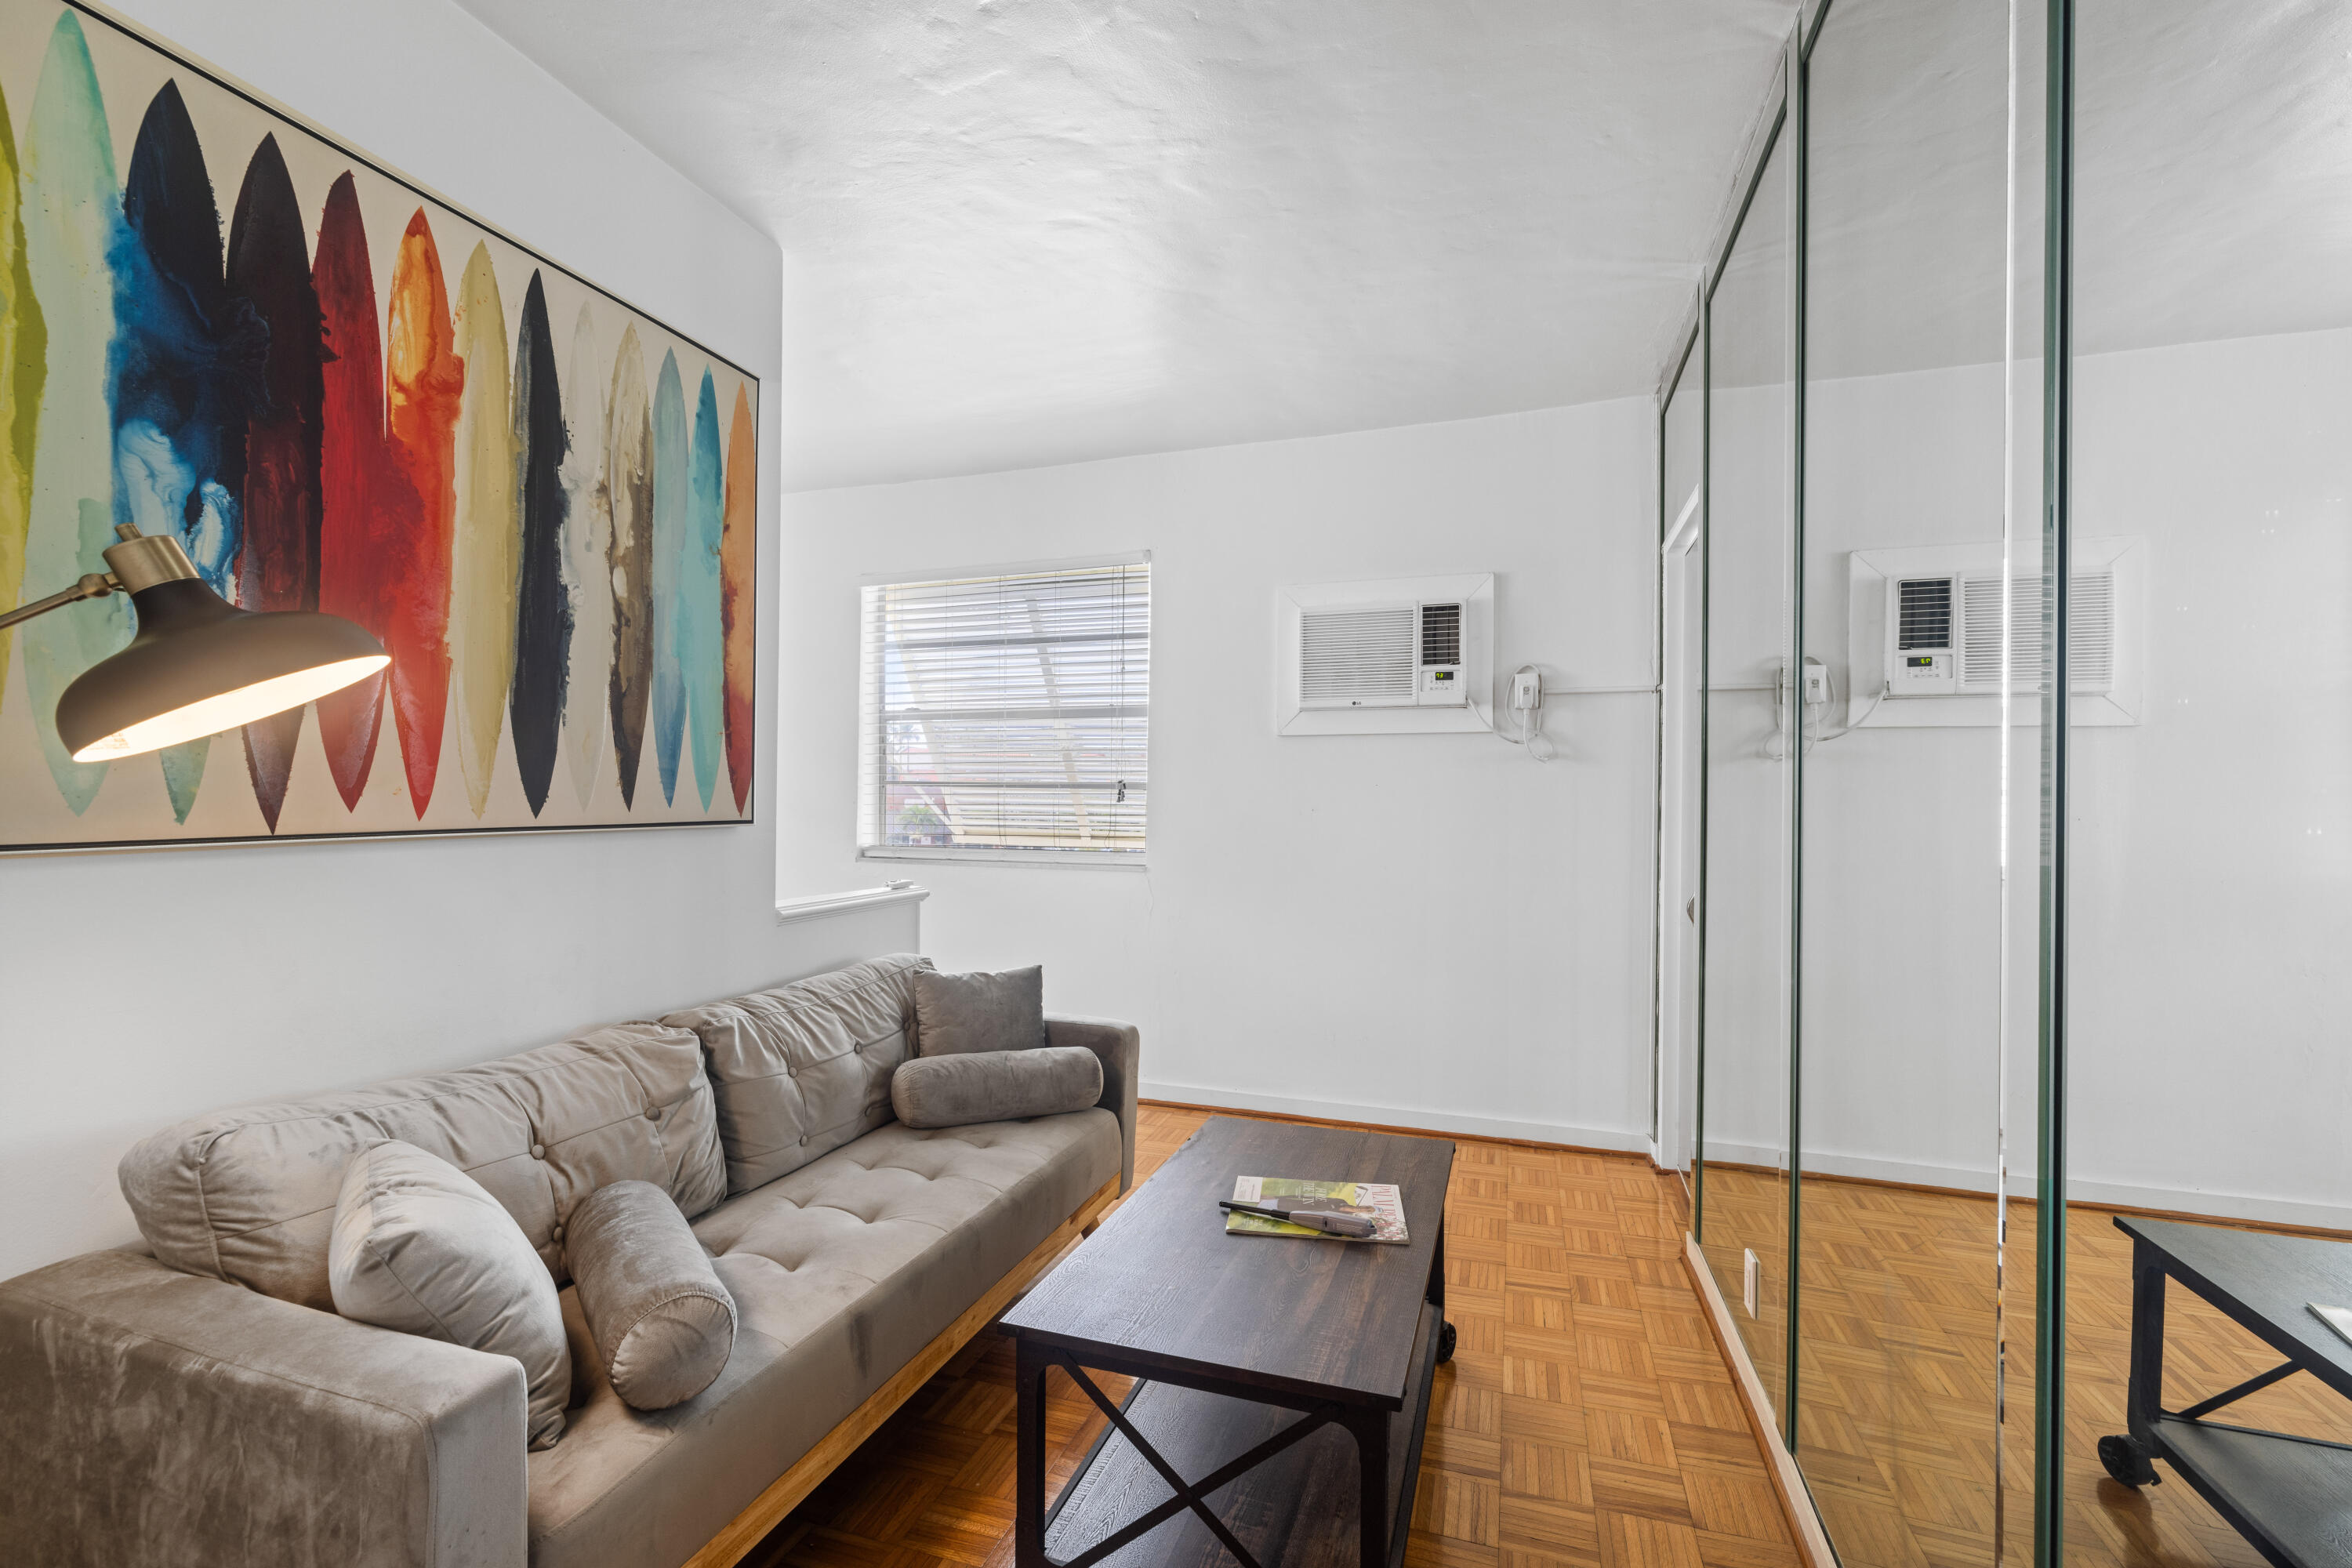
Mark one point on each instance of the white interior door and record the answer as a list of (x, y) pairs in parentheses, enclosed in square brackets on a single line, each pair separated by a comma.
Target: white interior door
[(1678, 890)]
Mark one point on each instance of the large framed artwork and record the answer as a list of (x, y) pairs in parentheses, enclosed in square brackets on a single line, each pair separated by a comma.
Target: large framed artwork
[(345, 394)]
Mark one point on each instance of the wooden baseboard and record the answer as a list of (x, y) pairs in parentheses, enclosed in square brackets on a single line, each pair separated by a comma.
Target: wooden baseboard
[(750, 1526), (1796, 1502), (1400, 1131), (2027, 1200)]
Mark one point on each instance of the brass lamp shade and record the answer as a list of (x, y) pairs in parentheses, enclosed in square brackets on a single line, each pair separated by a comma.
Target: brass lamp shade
[(199, 666)]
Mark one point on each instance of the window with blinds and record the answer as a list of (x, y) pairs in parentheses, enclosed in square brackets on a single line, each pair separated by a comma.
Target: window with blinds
[(1006, 715)]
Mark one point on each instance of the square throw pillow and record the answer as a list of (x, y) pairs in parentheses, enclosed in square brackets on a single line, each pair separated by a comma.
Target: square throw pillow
[(957, 1014), (419, 1247)]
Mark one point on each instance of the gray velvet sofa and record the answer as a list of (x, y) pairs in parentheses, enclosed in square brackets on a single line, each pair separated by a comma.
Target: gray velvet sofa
[(198, 1402)]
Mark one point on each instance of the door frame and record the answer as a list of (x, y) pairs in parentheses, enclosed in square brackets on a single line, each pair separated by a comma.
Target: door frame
[(1675, 1067)]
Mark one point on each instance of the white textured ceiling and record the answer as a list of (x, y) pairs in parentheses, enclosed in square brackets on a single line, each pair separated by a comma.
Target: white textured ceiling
[(2213, 177), (1021, 232)]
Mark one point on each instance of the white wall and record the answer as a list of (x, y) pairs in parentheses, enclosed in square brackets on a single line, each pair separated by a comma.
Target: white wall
[(2211, 842), (1422, 929), (139, 988)]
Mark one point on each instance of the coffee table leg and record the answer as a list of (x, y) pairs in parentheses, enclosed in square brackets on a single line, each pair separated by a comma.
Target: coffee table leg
[(1029, 1451), (1371, 1431)]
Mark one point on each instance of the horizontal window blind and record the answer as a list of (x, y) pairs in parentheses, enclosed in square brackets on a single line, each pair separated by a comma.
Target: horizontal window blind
[(1007, 712)]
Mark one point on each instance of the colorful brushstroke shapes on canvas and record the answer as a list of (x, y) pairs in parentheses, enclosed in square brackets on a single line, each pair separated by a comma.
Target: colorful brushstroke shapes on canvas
[(341, 394)]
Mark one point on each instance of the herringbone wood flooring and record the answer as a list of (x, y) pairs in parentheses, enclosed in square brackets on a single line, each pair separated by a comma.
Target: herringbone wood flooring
[(1586, 1420), (1894, 1418)]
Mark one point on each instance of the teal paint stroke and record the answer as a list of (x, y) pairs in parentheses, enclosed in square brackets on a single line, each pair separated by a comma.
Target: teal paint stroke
[(73, 223)]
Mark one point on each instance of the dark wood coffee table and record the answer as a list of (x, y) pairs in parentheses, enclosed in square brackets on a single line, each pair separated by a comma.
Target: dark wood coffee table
[(2290, 1497), (1225, 1336)]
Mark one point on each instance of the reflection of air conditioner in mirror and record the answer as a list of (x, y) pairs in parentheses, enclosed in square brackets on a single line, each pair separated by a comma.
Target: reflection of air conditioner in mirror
[(1925, 635), (1944, 634), (1390, 656)]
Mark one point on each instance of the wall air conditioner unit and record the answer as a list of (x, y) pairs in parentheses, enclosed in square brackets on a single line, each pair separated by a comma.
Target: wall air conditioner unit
[(1400, 656), (1925, 637), (1946, 632)]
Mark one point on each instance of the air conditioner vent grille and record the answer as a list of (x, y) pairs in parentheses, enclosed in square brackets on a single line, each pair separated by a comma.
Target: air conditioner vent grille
[(2092, 657), (1355, 658), (1924, 608), (1441, 634), (2091, 632)]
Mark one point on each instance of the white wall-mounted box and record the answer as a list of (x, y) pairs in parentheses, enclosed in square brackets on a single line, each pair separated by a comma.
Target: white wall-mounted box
[(1390, 655)]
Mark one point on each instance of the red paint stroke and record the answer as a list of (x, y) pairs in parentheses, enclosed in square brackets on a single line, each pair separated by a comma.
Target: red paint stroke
[(738, 554), (367, 508), (427, 380)]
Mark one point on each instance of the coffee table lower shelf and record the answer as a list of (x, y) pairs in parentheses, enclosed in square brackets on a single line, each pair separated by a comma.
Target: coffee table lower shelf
[(2292, 1497), (1297, 1510)]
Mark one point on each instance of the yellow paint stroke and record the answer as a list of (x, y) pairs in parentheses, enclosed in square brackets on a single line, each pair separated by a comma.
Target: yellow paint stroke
[(23, 364), (485, 575)]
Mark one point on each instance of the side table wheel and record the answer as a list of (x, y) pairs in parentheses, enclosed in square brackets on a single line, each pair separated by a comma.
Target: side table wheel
[(1444, 1344), (2127, 1462)]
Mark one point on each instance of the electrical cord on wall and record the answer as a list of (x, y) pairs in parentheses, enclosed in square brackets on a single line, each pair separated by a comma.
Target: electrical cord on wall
[(1851, 724), (1526, 699), (1809, 727)]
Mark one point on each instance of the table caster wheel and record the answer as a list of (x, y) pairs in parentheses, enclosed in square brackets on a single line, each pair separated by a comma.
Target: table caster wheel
[(1445, 1343), (2127, 1462)]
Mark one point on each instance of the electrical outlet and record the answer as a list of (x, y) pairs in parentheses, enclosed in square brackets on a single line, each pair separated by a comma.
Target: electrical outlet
[(1527, 690), (1816, 682), (1751, 1276)]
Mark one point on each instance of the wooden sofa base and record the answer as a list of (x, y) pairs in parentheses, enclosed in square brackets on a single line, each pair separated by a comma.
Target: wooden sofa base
[(750, 1526)]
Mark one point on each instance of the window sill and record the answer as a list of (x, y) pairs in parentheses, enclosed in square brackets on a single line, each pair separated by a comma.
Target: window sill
[(819, 906), (1112, 860)]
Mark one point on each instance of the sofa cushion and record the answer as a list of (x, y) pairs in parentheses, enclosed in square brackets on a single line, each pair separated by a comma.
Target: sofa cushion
[(960, 1013), (995, 1085), (663, 1323), (248, 1196), (420, 1248), (802, 1069), (842, 1272)]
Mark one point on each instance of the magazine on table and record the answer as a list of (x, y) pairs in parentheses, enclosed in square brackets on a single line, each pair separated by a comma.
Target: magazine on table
[(1379, 1202)]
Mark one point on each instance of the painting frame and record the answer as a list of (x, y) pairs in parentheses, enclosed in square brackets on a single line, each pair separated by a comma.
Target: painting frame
[(696, 692)]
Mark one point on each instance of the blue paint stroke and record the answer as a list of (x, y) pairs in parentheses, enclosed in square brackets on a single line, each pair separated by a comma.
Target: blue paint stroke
[(670, 486), (702, 642), (185, 367)]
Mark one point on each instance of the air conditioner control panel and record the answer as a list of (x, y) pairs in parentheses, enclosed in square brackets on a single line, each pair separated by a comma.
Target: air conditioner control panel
[(1919, 673)]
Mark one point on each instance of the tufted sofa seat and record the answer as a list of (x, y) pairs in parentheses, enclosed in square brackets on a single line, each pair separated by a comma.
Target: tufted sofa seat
[(199, 1402), (841, 1272)]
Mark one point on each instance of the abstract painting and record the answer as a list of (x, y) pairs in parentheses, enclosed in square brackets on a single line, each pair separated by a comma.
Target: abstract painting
[(342, 394)]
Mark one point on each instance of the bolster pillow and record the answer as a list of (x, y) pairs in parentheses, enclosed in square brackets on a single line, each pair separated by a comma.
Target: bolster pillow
[(664, 1325), (995, 1085)]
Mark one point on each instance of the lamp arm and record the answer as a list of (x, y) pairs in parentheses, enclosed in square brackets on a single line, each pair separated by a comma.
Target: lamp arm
[(91, 585)]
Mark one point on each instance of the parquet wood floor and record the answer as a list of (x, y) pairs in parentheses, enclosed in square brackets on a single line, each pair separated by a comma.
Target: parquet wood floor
[(1586, 1420), (1896, 1399)]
